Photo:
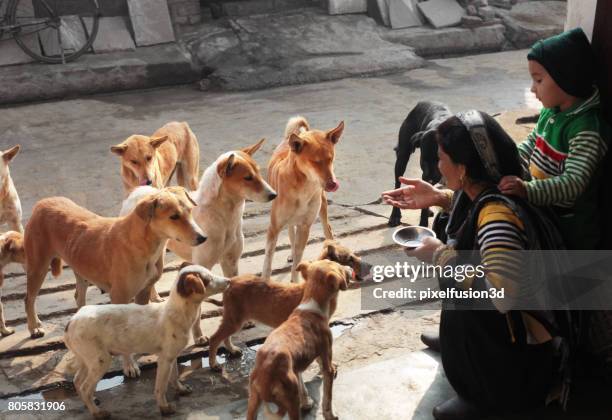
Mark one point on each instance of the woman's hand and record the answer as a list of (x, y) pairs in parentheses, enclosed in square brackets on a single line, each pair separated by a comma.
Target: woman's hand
[(425, 252), (512, 185), (417, 194)]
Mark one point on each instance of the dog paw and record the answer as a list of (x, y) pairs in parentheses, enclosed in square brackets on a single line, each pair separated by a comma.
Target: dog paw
[(329, 416), (394, 221), (184, 389), (216, 368), (6, 331), (157, 299), (307, 405), (102, 414), (131, 370), (167, 410), (201, 341), (235, 353), (37, 333)]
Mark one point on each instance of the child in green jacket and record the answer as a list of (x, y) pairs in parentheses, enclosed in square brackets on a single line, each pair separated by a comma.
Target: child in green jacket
[(564, 151)]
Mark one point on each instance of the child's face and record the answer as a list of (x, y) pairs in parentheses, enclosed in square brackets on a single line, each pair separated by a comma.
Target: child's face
[(546, 89)]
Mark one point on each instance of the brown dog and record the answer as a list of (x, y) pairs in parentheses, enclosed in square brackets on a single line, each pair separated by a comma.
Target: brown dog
[(292, 347), (153, 160), (250, 299), (301, 170), (118, 255)]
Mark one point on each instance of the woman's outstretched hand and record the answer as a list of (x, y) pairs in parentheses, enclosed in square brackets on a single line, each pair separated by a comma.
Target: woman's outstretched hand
[(417, 194)]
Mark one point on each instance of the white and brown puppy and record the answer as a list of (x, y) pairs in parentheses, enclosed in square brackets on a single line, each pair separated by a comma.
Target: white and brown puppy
[(276, 378), (96, 332), (119, 255), (153, 160), (301, 169), (248, 298), (10, 205)]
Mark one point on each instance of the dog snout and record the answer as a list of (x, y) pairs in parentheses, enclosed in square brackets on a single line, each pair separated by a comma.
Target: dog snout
[(200, 239), (332, 185), (272, 196)]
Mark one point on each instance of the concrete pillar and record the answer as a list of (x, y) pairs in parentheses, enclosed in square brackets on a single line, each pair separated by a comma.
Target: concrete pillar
[(581, 13)]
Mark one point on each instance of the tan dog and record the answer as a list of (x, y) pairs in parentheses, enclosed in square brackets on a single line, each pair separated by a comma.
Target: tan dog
[(153, 160), (10, 205), (301, 170), (119, 255), (289, 350), (96, 332), (250, 299)]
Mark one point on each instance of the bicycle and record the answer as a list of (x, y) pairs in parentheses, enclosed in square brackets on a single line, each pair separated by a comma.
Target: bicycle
[(51, 31)]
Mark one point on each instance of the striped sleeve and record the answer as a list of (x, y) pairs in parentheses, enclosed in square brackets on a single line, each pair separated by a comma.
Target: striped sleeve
[(586, 149), (500, 235), (526, 150)]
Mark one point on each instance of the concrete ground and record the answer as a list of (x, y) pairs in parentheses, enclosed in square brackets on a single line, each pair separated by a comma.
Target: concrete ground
[(384, 372)]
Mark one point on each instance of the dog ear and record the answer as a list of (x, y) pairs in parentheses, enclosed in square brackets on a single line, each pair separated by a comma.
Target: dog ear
[(252, 149), (145, 209), (343, 281), (189, 283), (225, 168), (303, 268), (334, 134), (330, 250), (157, 141), (7, 246), (296, 143), (9, 154), (119, 149)]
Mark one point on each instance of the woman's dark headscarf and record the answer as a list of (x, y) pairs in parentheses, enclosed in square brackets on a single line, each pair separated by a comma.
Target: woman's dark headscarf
[(455, 140)]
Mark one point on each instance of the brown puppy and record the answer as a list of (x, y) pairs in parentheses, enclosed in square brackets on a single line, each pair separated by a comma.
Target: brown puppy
[(250, 299), (301, 170), (118, 255), (292, 347), (152, 160)]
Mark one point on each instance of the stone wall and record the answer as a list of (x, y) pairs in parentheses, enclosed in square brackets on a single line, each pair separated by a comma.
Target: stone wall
[(185, 12)]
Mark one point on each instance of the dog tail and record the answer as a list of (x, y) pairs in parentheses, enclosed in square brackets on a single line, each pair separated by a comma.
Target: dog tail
[(296, 125), (56, 266)]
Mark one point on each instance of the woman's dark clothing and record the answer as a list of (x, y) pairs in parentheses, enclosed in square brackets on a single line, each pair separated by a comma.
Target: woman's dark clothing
[(485, 354)]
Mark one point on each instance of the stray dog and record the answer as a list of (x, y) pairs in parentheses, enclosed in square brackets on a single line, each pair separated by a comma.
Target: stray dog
[(301, 170), (419, 130), (97, 332), (296, 343), (153, 160), (119, 255), (225, 186), (249, 299), (10, 205)]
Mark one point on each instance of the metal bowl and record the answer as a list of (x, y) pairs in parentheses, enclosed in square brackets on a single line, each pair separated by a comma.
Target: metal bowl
[(412, 236)]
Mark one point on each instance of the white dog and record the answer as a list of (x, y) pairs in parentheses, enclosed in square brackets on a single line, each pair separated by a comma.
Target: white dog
[(10, 205), (96, 332)]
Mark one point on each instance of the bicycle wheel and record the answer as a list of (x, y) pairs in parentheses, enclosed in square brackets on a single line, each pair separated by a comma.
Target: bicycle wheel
[(54, 31)]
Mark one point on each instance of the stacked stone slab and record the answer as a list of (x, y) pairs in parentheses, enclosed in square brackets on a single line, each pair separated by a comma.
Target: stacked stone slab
[(150, 22), (185, 12), (442, 13), (343, 7)]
